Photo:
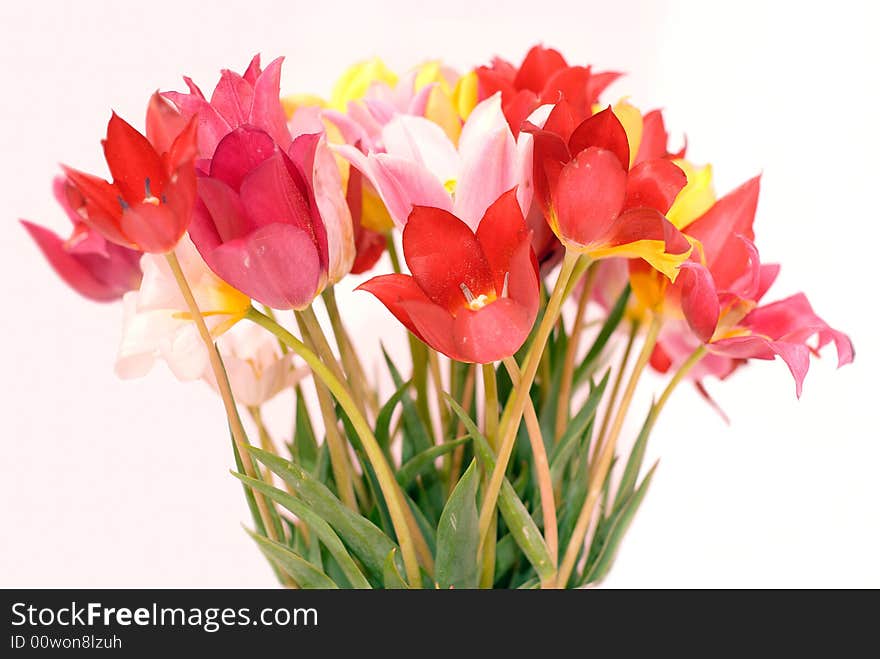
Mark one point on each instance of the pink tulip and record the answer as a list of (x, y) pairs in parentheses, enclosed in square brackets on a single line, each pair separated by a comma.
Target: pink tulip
[(89, 264)]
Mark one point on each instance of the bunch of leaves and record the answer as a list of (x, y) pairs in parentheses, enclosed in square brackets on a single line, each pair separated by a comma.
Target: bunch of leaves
[(319, 542)]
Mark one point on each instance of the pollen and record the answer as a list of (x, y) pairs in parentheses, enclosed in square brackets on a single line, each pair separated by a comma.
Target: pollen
[(474, 302)]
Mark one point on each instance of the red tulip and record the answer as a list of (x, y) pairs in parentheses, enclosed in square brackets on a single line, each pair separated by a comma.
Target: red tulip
[(369, 245), (594, 202), (543, 77), (148, 206), (472, 295), (257, 223), (94, 268)]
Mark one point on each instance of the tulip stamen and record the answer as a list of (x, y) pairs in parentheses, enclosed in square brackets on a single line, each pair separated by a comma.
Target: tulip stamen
[(504, 287), (149, 198), (122, 202), (474, 302)]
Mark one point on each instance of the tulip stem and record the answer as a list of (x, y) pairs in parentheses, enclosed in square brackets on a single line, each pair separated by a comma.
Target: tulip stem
[(437, 380), (563, 402), (680, 374), (320, 345), (615, 389), (350, 359), (542, 471), (339, 462), (466, 401), (412, 544), (516, 404), (239, 435), (490, 412), (599, 472)]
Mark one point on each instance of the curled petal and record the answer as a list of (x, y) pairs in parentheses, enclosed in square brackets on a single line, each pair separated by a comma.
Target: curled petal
[(699, 299)]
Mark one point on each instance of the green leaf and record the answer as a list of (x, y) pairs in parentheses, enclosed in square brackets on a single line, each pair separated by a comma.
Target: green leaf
[(392, 578), (319, 527), (363, 537), (418, 463), (519, 521), (458, 535), (383, 420), (619, 527), (505, 556), (416, 435), (304, 447), (575, 429), (634, 462), (304, 573), (611, 323)]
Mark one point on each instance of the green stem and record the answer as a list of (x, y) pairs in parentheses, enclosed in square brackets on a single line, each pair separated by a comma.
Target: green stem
[(412, 544), (513, 411), (490, 386), (350, 359), (542, 474), (599, 472), (235, 426), (618, 380), (563, 403), (339, 462)]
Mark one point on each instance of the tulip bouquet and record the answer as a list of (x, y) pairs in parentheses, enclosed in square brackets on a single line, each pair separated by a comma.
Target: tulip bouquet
[(544, 250)]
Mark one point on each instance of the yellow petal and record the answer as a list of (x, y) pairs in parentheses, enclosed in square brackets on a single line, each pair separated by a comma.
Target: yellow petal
[(374, 215), (652, 251), (294, 102), (441, 110), (695, 198), (431, 73), (464, 96), (356, 80)]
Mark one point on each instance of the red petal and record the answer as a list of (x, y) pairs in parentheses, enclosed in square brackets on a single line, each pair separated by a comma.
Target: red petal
[(392, 291), (569, 83), (646, 224), (164, 123), (699, 299), (654, 137), (518, 109), (232, 98), (267, 111), (719, 227), (442, 254), (369, 245), (539, 64), (270, 195), (588, 196), (184, 149), (654, 184), (103, 208), (602, 130), (253, 71), (492, 333), (152, 228), (226, 218), (132, 160), (502, 230)]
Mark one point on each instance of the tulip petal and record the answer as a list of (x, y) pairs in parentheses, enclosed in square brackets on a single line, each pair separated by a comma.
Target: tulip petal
[(604, 131), (492, 333), (401, 184), (267, 111), (489, 161), (539, 64), (718, 230), (423, 142), (588, 197), (132, 161), (644, 233), (501, 233), (270, 194), (277, 265), (654, 184), (699, 299), (443, 254), (392, 291), (239, 152)]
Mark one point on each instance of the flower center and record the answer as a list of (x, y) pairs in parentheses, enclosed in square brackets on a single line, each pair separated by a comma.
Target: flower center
[(477, 302)]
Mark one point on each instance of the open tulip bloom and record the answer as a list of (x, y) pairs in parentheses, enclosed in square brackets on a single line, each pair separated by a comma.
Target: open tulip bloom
[(540, 227)]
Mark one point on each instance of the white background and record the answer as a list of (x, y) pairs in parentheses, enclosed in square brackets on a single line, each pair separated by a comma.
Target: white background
[(106, 483)]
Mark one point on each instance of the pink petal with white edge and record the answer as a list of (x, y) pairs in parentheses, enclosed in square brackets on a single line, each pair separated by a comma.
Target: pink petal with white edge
[(490, 162), (424, 143), (400, 183)]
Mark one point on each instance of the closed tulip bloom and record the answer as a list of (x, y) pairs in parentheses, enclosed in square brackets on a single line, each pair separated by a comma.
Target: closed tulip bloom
[(594, 202), (472, 295), (93, 267), (257, 223)]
